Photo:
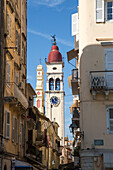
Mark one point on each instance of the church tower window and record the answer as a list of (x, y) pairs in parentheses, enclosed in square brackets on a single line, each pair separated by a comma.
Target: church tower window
[(51, 84), (57, 84)]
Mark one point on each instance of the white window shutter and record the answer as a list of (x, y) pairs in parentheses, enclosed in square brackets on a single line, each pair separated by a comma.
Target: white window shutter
[(100, 10), (74, 24), (107, 116)]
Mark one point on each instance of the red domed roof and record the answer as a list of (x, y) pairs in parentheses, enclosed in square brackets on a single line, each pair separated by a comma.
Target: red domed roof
[(54, 55)]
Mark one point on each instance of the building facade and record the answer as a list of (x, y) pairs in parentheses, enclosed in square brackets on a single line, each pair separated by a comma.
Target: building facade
[(92, 81), (13, 45)]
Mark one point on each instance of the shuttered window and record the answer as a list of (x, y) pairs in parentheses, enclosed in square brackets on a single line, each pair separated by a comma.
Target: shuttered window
[(16, 77), (16, 39), (7, 124), (13, 129), (8, 74), (20, 134), (110, 120), (17, 132), (99, 10), (9, 25), (19, 45), (74, 24)]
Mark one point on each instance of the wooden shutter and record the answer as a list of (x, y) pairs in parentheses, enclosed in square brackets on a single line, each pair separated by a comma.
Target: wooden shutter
[(23, 134), (8, 74), (9, 26), (7, 125), (16, 77), (16, 39), (19, 45), (17, 132), (99, 10), (20, 133), (7, 23), (74, 24), (13, 129)]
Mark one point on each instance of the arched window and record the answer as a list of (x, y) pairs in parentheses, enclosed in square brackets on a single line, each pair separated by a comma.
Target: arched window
[(38, 103), (51, 84), (57, 84)]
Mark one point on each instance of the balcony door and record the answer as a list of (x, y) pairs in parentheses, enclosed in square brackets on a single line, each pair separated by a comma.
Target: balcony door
[(108, 53)]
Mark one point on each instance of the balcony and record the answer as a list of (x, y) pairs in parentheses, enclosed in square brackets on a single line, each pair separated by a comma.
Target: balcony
[(11, 3), (101, 82), (59, 153), (74, 82), (41, 139), (17, 94)]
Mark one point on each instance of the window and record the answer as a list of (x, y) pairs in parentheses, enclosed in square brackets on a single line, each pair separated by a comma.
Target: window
[(8, 74), (9, 25), (13, 129), (17, 132), (7, 124), (16, 77), (110, 10), (109, 120), (16, 39), (23, 50), (22, 137), (57, 84), (19, 44), (104, 10), (51, 84)]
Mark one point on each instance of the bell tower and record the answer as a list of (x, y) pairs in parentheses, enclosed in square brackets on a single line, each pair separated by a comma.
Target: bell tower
[(55, 90), (40, 89)]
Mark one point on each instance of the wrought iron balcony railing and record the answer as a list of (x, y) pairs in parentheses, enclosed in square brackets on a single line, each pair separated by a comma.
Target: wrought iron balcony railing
[(101, 80)]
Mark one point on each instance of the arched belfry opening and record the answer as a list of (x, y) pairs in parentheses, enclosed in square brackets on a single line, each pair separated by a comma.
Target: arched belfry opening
[(51, 84), (57, 84)]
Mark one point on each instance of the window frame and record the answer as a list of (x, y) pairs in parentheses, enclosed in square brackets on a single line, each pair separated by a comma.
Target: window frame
[(7, 124), (106, 1), (51, 84), (57, 84), (8, 70), (108, 119)]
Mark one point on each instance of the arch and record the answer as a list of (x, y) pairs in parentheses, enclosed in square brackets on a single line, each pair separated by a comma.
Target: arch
[(51, 84), (57, 84)]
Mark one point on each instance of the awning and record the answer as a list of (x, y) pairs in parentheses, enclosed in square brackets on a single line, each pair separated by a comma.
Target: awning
[(69, 80), (21, 164), (72, 54), (108, 160), (75, 104)]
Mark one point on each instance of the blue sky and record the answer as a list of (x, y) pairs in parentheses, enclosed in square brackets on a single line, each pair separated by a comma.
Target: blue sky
[(45, 18)]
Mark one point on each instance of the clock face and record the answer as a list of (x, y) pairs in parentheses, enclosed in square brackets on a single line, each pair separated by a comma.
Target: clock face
[(54, 100)]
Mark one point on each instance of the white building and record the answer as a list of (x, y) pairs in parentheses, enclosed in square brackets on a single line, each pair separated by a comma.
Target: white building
[(54, 90)]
